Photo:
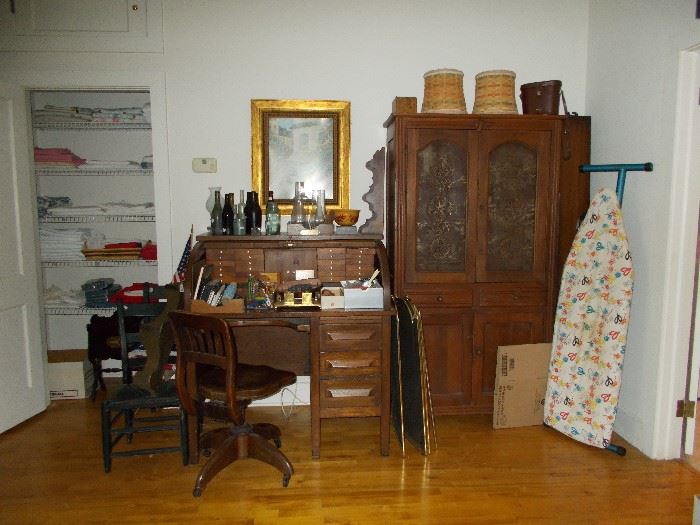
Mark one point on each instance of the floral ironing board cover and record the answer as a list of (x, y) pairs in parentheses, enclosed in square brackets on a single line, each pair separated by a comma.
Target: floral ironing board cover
[(590, 330)]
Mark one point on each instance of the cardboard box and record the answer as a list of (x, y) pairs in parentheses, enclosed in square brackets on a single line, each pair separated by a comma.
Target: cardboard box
[(404, 105), (234, 306), (332, 298), (357, 298), (521, 382), (70, 379)]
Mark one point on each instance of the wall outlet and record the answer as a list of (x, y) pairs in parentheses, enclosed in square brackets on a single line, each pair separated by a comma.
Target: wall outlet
[(204, 165)]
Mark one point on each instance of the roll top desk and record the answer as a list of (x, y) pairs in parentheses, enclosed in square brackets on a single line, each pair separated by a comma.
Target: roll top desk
[(348, 350)]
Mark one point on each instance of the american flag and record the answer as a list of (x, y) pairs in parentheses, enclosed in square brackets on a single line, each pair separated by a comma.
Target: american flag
[(179, 276)]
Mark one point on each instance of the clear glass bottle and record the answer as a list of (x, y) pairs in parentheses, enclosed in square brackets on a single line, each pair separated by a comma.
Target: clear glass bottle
[(239, 220), (298, 204), (320, 206), (227, 215), (253, 213), (272, 212), (212, 198), (216, 221)]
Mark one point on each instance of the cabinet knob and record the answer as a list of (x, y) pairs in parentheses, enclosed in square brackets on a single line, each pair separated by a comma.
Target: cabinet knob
[(477, 350), (440, 299)]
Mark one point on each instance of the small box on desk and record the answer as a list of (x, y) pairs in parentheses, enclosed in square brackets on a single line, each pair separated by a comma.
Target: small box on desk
[(332, 297), (357, 298), (234, 306)]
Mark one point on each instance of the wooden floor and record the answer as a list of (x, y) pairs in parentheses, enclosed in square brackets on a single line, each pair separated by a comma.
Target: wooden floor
[(51, 472)]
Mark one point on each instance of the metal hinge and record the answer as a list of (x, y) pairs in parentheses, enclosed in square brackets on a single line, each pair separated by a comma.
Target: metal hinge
[(685, 408)]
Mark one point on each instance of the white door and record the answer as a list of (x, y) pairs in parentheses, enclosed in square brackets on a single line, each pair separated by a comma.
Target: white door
[(22, 355)]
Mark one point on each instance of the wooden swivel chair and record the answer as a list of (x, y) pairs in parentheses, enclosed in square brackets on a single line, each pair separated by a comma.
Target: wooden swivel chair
[(147, 393), (211, 381)]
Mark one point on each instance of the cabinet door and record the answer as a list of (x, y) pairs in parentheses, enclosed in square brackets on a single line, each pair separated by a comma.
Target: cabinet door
[(440, 206), (514, 205), (82, 25), (494, 329), (448, 342)]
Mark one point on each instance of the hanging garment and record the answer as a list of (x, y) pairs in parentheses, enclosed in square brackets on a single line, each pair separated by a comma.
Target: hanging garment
[(590, 330)]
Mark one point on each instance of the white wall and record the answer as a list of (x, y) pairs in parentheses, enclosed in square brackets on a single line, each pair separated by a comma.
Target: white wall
[(631, 94), (219, 55)]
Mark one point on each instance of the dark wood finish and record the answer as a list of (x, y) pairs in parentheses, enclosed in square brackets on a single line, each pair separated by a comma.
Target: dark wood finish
[(211, 381), (481, 213), (347, 351)]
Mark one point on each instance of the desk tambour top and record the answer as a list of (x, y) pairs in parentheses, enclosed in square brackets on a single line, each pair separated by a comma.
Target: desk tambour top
[(331, 257)]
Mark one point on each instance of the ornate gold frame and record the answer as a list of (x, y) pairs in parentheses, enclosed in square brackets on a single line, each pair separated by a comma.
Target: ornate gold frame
[(338, 110)]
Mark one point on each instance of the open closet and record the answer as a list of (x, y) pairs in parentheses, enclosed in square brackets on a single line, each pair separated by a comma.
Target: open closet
[(93, 167)]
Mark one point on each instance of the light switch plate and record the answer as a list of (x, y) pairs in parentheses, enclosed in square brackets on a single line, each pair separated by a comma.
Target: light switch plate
[(204, 165)]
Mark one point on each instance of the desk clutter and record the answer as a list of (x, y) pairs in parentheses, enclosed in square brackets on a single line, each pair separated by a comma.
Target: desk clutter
[(268, 291)]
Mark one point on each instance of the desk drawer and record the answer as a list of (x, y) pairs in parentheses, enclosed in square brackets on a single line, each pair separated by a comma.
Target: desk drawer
[(357, 363), (355, 336), (350, 393)]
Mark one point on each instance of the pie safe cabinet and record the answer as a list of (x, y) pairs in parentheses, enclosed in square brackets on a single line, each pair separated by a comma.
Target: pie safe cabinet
[(482, 210)]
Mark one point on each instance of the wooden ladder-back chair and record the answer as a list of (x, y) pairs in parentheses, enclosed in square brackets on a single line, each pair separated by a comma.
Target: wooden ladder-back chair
[(146, 403), (211, 381)]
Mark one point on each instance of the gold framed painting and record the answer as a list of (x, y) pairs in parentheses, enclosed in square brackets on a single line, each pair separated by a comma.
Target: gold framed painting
[(301, 141)]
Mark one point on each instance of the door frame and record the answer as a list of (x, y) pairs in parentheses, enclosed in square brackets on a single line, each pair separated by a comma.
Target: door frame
[(674, 380), (154, 82)]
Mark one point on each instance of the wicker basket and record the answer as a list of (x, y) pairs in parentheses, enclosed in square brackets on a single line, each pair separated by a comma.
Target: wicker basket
[(444, 92), (495, 92)]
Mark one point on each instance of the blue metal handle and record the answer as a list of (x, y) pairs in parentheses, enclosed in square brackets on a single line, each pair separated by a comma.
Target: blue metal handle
[(621, 170)]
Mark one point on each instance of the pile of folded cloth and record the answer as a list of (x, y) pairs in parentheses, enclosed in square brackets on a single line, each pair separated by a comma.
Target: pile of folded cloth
[(56, 208), (62, 245), (44, 203), (50, 113), (55, 296), (57, 158), (98, 291)]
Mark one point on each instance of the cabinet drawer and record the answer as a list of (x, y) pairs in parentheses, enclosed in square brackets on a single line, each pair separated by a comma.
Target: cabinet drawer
[(331, 270), (514, 297), (346, 336), (355, 363), (347, 393), (331, 253), (461, 298)]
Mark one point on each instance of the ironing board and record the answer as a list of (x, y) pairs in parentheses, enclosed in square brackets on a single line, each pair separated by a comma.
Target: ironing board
[(590, 329)]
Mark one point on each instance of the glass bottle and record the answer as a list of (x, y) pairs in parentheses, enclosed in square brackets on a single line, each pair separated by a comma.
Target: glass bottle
[(239, 219), (227, 215), (216, 223), (253, 213), (212, 198), (320, 206), (298, 204), (272, 222)]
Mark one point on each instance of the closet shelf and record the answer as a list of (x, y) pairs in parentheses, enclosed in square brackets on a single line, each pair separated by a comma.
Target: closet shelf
[(98, 263), (67, 172), (73, 219), (78, 310), (93, 125)]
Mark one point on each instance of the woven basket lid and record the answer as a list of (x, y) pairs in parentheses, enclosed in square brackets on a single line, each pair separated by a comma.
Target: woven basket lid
[(443, 71), (496, 73)]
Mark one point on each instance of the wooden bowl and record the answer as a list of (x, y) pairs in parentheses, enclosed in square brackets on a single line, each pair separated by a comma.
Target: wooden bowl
[(346, 217)]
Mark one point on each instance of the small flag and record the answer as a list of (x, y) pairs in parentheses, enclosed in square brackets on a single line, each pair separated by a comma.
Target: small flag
[(179, 276)]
